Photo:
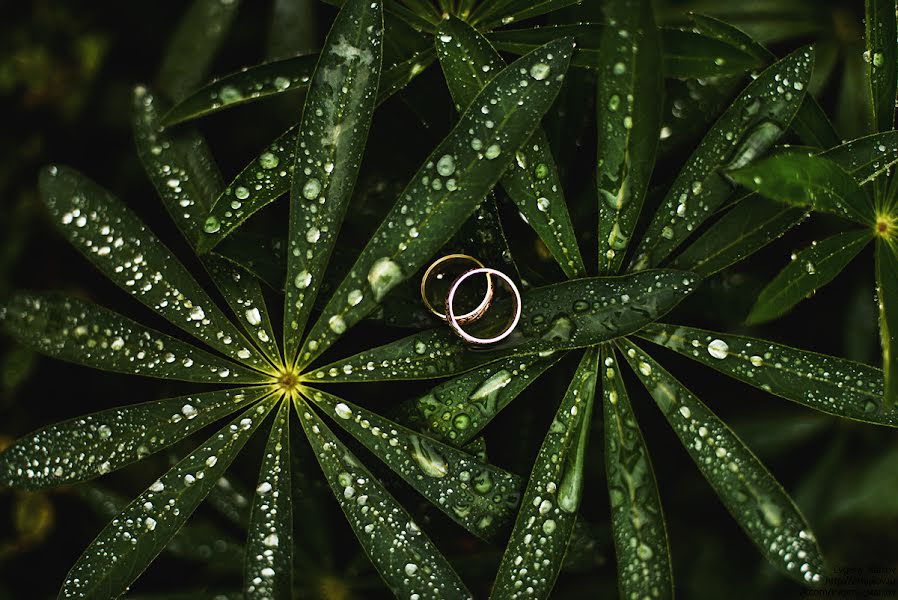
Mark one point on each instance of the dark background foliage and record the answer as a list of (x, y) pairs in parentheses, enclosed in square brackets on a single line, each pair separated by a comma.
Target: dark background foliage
[(66, 75)]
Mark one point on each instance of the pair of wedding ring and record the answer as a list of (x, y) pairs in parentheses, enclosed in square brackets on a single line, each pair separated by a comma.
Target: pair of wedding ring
[(456, 321)]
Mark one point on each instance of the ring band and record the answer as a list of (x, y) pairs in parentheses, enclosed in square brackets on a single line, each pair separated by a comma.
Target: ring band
[(468, 317), (454, 320)]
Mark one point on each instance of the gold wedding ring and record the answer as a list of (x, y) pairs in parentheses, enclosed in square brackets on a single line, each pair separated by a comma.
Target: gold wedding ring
[(468, 317)]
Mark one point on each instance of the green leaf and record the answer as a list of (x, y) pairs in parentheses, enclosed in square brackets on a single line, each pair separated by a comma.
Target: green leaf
[(628, 114), (750, 493), (887, 294), (179, 164), (129, 543), (263, 256), (332, 135), (244, 295), (809, 270), (404, 556), (637, 520), (198, 542), (688, 54), (685, 53), (456, 411), (186, 178), (826, 383), (749, 126), (881, 56), (749, 226), (468, 62), (192, 47), (522, 41), (268, 176), (868, 157), (86, 447), (535, 552), (268, 571), (246, 85), (283, 76), (446, 190), (511, 11), (230, 499), (115, 240), (80, 332), (292, 28), (799, 179), (810, 122), (401, 72), (478, 496), (571, 314)]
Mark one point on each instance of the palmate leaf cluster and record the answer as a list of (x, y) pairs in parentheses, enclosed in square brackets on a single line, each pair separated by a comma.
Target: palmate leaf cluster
[(735, 194)]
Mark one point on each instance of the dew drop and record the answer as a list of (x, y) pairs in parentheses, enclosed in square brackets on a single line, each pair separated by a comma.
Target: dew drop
[(268, 160), (540, 71), (211, 225), (311, 189), (446, 165), (383, 276), (718, 349)]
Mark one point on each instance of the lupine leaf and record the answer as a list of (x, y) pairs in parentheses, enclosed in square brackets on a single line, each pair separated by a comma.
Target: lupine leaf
[(517, 10), (868, 157), (637, 520), (522, 41), (293, 28), (881, 56), (535, 552), (244, 295), (129, 543), (199, 34), (77, 331), (400, 73), (799, 179), (692, 55), (185, 176), (826, 383), (810, 269), (268, 571), (86, 447), (887, 293), (446, 190), (469, 61), (478, 496), (403, 555), (749, 126), (231, 500), (246, 85), (281, 76), (332, 136), (571, 314), (200, 542), (268, 176), (179, 164), (472, 399), (810, 122), (684, 53), (262, 256), (750, 493), (628, 115), (752, 224), (118, 243)]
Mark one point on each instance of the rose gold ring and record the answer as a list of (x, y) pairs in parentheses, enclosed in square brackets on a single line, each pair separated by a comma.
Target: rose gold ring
[(469, 316), (453, 319)]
